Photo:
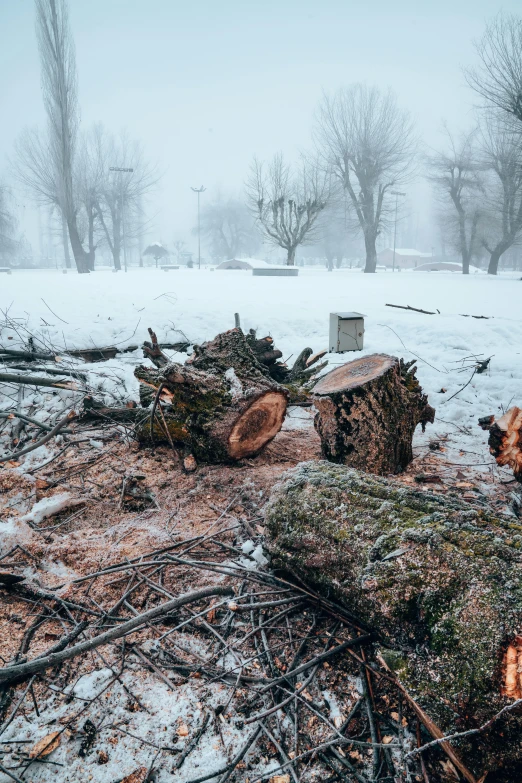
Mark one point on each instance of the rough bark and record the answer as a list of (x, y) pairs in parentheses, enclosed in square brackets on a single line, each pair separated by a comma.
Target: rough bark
[(371, 252), (505, 439), (301, 372), (367, 412), (220, 406), (65, 241), (437, 578)]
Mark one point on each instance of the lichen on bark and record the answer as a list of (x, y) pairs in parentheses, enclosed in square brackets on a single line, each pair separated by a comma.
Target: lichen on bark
[(438, 578)]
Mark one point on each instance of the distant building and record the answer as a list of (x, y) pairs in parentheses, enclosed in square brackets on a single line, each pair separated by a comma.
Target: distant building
[(405, 258), (244, 263)]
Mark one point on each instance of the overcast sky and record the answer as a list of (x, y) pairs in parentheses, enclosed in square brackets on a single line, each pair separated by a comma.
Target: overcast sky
[(206, 84)]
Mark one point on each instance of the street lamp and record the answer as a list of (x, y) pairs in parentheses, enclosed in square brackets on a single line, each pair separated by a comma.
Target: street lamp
[(128, 171), (395, 193), (199, 191)]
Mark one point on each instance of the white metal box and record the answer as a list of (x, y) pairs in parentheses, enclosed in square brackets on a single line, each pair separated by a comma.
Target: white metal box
[(346, 332)]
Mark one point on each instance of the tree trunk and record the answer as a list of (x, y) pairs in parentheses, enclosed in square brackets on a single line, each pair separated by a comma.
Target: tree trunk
[(367, 412), (371, 252), (221, 405), (290, 257), (80, 256), (65, 240), (494, 258), (92, 248), (436, 577)]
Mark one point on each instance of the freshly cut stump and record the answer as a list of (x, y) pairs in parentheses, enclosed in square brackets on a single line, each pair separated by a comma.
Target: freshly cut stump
[(439, 579), (367, 412), (220, 406)]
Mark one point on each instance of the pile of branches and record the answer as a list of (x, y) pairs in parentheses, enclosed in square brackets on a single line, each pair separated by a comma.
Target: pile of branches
[(300, 677)]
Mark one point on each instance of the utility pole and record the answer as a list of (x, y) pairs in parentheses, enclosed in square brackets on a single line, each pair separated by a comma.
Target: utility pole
[(395, 193), (199, 191), (129, 171)]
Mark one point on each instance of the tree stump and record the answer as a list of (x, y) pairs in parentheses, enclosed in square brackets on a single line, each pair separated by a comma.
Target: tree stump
[(367, 412), (220, 406), (439, 579)]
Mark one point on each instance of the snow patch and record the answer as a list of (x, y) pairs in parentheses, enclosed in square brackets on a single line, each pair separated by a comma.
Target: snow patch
[(48, 507), (236, 387)]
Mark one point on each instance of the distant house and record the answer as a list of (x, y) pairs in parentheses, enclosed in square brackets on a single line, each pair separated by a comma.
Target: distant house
[(405, 258), (244, 263)]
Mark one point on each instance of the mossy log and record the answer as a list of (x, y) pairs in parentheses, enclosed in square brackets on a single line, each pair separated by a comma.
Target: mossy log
[(367, 412), (220, 406), (505, 439), (440, 581)]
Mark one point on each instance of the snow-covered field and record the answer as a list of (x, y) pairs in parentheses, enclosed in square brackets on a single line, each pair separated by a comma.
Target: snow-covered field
[(107, 309)]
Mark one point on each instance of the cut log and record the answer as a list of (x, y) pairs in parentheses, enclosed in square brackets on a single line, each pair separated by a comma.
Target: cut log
[(505, 439), (220, 406), (436, 577), (367, 412)]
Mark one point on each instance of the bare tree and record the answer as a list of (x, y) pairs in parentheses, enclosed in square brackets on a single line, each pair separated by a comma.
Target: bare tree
[(369, 144), (498, 79), (59, 89), (8, 225), (119, 193), (228, 228), (502, 154), (455, 172), (287, 201), (333, 233), (89, 178)]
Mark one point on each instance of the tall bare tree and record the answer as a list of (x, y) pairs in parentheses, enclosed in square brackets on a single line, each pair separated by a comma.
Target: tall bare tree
[(502, 154), (334, 232), (8, 243), (498, 78), (369, 144), (455, 172), (59, 89), (228, 228), (119, 205), (287, 201)]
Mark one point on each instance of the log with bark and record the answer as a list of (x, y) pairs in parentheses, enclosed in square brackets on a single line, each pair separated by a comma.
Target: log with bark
[(437, 578), (221, 406), (367, 412), (505, 439)]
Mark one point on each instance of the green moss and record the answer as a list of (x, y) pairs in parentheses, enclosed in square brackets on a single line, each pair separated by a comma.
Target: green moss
[(438, 578)]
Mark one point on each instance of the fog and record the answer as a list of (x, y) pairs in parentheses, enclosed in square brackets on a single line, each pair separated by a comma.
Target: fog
[(205, 86)]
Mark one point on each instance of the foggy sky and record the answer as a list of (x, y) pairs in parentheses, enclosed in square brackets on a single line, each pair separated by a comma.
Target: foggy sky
[(206, 84)]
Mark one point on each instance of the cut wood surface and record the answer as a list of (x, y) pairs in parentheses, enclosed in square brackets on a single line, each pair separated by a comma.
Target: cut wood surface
[(221, 405), (367, 412), (505, 439)]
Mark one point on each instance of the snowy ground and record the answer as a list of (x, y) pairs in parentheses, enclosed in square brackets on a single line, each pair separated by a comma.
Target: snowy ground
[(108, 309)]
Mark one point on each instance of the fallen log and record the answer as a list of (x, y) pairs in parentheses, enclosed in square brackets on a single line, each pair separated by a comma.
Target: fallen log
[(505, 439), (414, 309), (367, 412), (221, 405), (437, 578), (36, 380)]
